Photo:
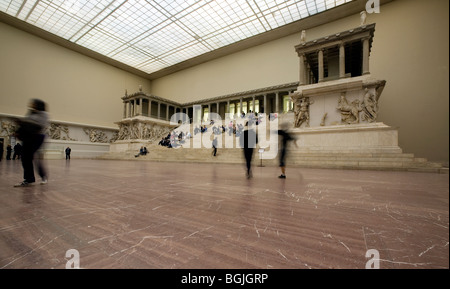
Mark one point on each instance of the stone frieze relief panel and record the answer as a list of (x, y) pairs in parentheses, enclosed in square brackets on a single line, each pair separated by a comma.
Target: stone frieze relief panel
[(141, 130)]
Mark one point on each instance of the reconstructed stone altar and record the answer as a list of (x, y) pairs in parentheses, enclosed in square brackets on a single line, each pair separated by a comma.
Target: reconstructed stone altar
[(139, 126), (336, 103)]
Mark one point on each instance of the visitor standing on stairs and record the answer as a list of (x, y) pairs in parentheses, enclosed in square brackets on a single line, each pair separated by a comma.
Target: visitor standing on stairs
[(214, 145)]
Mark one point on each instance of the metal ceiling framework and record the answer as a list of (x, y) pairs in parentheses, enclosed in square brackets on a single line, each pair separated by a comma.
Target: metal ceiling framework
[(151, 36)]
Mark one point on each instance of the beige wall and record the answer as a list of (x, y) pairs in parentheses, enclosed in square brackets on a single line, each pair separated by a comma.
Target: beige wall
[(77, 88), (410, 51)]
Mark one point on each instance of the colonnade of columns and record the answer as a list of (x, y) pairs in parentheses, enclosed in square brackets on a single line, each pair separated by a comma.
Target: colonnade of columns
[(270, 102), (135, 107), (312, 55)]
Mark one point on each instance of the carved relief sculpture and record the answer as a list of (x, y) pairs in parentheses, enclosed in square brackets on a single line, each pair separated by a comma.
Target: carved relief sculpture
[(322, 123), (124, 132), (95, 135), (349, 112), (143, 131), (303, 36), (370, 106), (114, 137), (7, 128), (59, 132), (363, 18), (301, 109)]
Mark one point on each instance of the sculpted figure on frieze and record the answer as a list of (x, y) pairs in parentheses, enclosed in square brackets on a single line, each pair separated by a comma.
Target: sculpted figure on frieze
[(370, 106), (301, 109), (349, 111)]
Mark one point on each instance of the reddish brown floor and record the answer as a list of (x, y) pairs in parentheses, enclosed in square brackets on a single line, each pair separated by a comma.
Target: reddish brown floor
[(137, 214)]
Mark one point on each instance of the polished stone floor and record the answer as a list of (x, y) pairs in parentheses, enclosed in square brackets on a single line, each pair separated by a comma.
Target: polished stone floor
[(138, 214)]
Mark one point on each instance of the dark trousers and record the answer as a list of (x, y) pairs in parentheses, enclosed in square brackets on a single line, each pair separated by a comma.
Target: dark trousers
[(16, 155), (283, 157), (30, 145), (248, 154)]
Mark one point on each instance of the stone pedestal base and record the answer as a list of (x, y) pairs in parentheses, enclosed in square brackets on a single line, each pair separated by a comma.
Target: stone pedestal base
[(140, 131), (55, 149), (356, 138), (128, 145)]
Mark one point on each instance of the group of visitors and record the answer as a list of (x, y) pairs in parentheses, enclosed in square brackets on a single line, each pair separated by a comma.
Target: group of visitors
[(9, 150), (142, 152), (31, 132), (175, 139)]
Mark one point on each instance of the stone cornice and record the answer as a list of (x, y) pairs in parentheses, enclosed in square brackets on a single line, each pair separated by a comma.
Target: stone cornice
[(248, 93), (336, 39)]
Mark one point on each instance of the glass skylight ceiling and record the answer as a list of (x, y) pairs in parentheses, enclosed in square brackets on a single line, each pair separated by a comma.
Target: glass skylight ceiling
[(151, 35)]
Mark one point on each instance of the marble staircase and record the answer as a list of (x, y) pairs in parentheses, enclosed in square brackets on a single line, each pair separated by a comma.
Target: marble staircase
[(316, 149), (396, 161)]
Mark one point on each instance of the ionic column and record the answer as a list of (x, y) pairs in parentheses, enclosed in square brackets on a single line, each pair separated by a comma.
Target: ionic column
[(253, 102), (240, 107), (159, 110), (167, 111), (218, 108), (302, 69), (277, 102), (342, 61), (321, 70), (228, 106), (124, 110), (365, 68), (149, 108), (195, 113), (265, 103), (133, 104)]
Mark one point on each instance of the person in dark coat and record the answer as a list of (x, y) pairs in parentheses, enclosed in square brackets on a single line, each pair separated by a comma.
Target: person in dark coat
[(248, 140), (68, 151), (285, 138), (32, 134), (17, 151), (8, 152)]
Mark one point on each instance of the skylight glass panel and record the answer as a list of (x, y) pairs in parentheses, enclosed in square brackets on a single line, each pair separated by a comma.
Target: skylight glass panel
[(303, 9), (153, 34), (131, 55), (152, 66)]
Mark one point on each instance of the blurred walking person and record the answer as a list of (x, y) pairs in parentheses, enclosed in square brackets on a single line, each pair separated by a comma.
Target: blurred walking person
[(248, 140), (286, 137), (31, 132)]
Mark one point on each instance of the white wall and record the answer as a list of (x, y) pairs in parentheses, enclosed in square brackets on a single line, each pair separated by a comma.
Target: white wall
[(76, 88)]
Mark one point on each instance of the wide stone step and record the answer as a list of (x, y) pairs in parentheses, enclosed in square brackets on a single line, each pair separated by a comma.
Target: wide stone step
[(336, 160)]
